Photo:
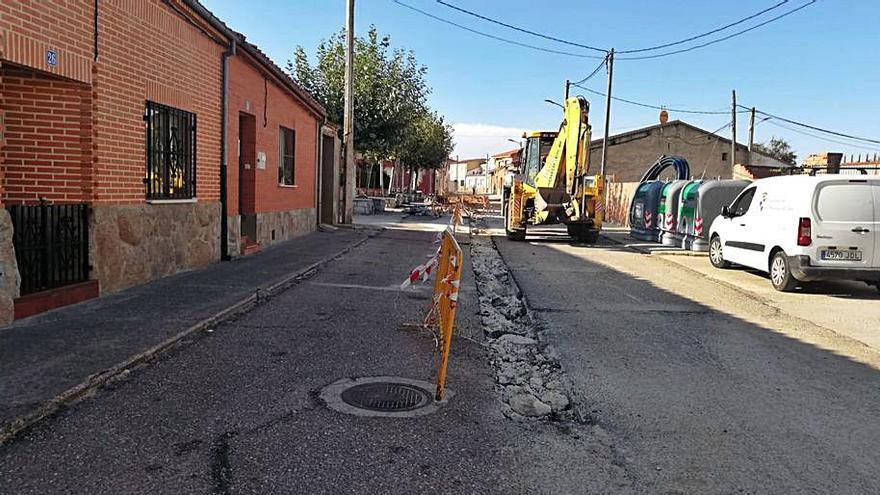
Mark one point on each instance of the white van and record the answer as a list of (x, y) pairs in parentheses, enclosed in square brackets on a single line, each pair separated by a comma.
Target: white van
[(803, 228)]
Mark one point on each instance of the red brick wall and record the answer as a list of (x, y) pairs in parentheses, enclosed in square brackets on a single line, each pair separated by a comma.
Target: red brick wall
[(250, 92), (146, 51), (47, 148), (149, 52), (30, 27)]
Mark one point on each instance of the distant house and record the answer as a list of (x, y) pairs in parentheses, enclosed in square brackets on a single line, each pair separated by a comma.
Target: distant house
[(476, 181), (500, 165), (632, 152), (457, 172)]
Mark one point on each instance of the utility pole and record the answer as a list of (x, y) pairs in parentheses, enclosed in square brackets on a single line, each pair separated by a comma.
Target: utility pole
[(751, 133), (610, 64), (733, 130), (348, 112), (567, 86)]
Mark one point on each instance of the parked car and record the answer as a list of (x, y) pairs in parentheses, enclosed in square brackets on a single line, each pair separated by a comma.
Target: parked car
[(802, 228)]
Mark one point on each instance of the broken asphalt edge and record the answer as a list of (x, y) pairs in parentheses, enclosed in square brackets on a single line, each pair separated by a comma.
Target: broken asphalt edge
[(9, 430)]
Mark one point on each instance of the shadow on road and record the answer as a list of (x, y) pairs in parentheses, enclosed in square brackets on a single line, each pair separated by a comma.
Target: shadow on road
[(701, 400)]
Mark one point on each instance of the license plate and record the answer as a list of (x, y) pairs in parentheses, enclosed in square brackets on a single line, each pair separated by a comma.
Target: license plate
[(837, 254)]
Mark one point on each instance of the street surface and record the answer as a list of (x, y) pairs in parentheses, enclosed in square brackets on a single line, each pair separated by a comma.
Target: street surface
[(680, 383), (703, 388)]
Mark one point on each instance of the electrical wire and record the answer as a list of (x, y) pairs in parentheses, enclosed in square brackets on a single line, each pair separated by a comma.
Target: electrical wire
[(707, 33), (492, 36), (822, 138), (725, 38), (595, 71), (650, 48), (522, 30), (655, 107), (808, 126)]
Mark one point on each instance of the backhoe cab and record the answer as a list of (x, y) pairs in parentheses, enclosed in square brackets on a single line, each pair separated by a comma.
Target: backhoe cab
[(553, 186)]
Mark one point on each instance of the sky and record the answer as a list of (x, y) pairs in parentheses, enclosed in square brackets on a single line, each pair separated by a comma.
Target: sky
[(820, 65)]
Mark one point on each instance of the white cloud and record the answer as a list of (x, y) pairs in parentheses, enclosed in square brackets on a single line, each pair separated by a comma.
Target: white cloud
[(473, 140)]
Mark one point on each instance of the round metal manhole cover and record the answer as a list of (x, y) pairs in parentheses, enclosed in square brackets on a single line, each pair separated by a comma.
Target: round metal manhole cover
[(383, 396), (386, 397)]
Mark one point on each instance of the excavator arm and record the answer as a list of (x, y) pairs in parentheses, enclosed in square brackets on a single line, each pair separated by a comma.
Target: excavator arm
[(563, 183), (561, 191)]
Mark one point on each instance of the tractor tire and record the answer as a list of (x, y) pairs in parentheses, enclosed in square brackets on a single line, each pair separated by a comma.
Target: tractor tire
[(582, 233)]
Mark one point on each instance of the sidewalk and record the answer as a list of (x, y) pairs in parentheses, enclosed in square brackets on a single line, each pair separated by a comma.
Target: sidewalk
[(46, 355)]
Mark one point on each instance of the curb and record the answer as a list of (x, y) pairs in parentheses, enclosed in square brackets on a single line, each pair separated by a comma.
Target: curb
[(10, 429)]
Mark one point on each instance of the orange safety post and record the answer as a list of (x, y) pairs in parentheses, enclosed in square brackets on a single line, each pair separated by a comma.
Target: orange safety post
[(448, 279)]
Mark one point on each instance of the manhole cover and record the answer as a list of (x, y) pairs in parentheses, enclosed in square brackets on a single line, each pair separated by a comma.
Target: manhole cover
[(383, 396), (386, 396)]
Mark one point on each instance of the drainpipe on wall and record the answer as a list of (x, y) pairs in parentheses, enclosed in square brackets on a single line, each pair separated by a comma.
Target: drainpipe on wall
[(224, 207), (319, 167)]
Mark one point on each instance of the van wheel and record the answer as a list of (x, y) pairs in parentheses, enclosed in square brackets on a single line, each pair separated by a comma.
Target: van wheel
[(716, 255), (780, 275)]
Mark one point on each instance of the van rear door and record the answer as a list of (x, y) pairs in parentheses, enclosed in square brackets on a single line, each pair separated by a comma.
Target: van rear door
[(845, 230), (876, 187)]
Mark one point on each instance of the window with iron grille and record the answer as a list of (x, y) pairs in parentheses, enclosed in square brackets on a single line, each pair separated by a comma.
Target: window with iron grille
[(286, 147), (171, 152)]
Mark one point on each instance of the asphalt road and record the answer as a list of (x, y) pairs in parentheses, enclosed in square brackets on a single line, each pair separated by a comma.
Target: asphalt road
[(237, 410), (682, 385), (701, 388)]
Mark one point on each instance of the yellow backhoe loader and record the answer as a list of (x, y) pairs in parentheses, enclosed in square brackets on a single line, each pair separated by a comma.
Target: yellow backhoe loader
[(554, 185)]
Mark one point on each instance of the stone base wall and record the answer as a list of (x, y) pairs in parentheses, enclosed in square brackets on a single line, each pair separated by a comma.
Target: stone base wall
[(133, 244), (9, 277), (233, 235), (286, 224)]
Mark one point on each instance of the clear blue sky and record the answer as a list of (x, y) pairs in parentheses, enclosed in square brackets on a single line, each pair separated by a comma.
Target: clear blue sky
[(820, 65)]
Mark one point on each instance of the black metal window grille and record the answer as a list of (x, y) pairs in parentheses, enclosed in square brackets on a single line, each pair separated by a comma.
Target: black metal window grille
[(286, 162), (171, 152), (51, 245)]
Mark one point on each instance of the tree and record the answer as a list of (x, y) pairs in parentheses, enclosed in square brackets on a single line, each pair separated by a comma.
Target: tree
[(778, 148), (426, 145), (390, 90)]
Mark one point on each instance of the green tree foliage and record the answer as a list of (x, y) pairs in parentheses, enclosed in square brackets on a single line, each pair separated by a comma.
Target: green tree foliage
[(778, 148), (391, 115), (427, 144)]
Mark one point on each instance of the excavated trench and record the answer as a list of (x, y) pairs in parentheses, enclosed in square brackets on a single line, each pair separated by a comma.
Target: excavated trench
[(527, 372)]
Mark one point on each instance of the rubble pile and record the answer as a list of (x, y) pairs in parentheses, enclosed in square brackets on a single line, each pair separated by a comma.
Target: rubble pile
[(527, 371)]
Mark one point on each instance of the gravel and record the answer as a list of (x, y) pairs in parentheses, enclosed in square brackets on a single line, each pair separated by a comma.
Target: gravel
[(526, 371)]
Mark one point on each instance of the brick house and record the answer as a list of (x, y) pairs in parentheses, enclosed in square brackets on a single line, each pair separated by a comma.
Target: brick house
[(631, 153), (111, 158), (274, 131)]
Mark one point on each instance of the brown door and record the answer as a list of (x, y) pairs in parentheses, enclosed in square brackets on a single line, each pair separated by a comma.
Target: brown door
[(247, 158)]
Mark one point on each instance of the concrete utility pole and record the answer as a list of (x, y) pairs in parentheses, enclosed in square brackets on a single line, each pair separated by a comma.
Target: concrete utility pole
[(751, 133), (610, 64), (733, 130), (348, 115)]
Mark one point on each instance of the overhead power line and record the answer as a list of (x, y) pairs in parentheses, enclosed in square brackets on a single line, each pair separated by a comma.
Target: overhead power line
[(658, 107), (650, 48), (808, 126), (725, 38), (707, 33), (492, 36), (522, 30), (595, 71), (823, 138)]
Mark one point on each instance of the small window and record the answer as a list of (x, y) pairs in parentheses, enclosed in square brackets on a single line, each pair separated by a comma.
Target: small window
[(846, 203), (171, 152), (286, 165), (741, 206), (723, 157)]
